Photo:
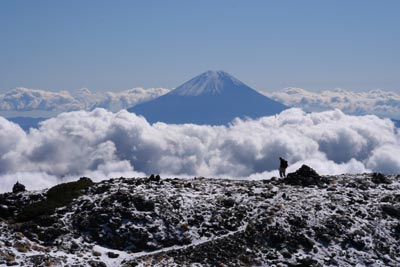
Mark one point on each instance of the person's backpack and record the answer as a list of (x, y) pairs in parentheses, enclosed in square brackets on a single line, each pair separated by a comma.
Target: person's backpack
[(284, 164)]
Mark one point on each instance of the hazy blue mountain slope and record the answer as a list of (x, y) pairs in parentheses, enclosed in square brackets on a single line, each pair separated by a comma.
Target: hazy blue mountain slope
[(213, 97), (26, 122), (397, 123)]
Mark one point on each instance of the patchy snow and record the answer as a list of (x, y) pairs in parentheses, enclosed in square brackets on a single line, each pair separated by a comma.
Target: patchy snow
[(184, 222), (210, 82)]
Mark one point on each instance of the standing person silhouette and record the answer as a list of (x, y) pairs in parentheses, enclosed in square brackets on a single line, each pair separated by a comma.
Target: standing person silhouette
[(282, 167)]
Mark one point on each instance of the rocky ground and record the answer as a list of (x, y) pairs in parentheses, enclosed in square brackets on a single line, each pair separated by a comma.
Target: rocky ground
[(304, 220)]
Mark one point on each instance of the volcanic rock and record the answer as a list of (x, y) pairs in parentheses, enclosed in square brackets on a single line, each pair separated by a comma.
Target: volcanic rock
[(206, 222), (380, 178), (305, 176), (18, 187)]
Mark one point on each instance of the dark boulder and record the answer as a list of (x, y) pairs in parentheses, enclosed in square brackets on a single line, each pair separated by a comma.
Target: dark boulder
[(228, 202), (379, 178), (305, 262), (305, 176), (391, 211), (112, 255), (154, 178), (93, 263), (18, 187), (142, 204), (57, 196)]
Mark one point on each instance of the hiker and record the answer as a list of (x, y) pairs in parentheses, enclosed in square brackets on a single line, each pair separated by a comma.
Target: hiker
[(282, 167)]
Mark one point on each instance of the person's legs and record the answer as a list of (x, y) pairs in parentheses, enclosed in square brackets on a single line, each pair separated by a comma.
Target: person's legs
[(284, 172), (281, 172)]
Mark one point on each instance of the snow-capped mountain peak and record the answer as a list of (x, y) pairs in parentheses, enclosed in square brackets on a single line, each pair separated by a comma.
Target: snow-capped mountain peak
[(212, 98), (209, 82)]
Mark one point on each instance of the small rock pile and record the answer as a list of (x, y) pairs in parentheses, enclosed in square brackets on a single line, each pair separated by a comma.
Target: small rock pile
[(18, 187), (305, 176)]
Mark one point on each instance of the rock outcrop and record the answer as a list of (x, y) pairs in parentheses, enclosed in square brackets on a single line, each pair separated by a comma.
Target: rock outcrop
[(304, 220), (305, 176), (18, 187), (380, 178)]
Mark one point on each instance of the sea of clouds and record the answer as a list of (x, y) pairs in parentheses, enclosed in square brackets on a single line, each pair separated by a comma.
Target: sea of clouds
[(25, 99), (102, 144), (378, 102)]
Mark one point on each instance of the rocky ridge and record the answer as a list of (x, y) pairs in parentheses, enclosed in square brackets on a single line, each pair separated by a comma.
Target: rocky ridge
[(304, 220)]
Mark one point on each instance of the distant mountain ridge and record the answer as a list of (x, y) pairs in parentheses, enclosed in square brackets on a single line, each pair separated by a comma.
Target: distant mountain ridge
[(213, 97), (24, 102), (26, 122), (396, 123)]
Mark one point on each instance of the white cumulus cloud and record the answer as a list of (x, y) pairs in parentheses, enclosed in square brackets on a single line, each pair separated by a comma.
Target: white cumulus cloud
[(24, 99), (115, 101), (102, 144), (378, 102)]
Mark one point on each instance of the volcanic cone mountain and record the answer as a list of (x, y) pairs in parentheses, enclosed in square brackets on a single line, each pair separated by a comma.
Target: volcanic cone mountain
[(214, 97)]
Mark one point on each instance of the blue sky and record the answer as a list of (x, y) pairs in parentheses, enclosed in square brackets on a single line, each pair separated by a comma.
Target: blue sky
[(115, 45)]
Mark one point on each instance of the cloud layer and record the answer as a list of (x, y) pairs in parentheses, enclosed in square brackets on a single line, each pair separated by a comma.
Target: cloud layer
[(103, 144), (24, 99), (378, 102)]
